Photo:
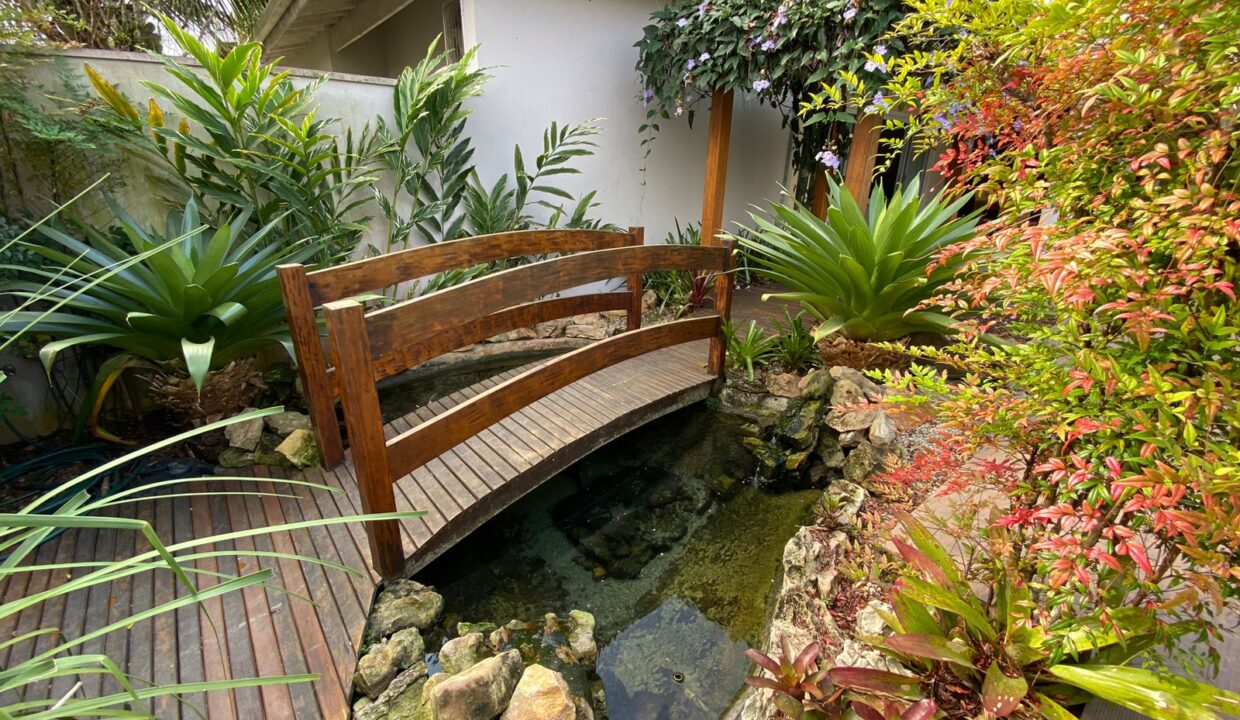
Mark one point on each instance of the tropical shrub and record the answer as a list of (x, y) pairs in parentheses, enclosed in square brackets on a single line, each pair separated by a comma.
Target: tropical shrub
[(680, 292), (262, 148), (987, 654), (1104, 136), (194, 299), (863, 275), (795, 347), (753, 349)]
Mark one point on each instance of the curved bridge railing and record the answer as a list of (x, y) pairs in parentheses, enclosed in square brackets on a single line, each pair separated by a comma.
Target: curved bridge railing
[(368, 346)]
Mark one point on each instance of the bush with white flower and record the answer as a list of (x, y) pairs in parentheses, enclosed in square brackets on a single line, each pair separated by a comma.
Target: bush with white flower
[(778, 51)]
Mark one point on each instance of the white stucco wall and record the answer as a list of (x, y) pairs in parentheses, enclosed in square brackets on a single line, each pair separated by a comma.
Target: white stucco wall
[(573, 60)]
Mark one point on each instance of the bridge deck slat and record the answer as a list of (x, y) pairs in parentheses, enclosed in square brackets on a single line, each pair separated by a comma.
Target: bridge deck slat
[(260, 631)]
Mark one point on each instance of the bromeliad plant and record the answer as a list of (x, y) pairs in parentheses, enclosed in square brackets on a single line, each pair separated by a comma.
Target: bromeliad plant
[(751, 350), (863, 275), (796, 348), (197, 298), (990, 653)]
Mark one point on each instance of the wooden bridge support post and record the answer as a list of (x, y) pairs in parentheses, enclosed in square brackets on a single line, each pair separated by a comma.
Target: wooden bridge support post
[(723, 306), (311, 364), (716, 165), (350, 346), (635, 285), (862, 156)]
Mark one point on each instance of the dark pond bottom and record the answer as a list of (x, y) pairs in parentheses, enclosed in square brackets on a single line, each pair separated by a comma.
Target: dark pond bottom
[(660, 537)]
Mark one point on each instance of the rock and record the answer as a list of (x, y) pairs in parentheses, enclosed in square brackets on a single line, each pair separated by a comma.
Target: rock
[(783, 385), (650, 299), (830, 451), (360, 706), (854, 420), (801, 430), (403, 698), (482, 691), (847, 393), (462, 653), (581, 636), (882, 430), (231, 457), (869, 621), (376, 668), (265, 453), (300, 449), (541, 694), (763, 408), (816, 385), (404, 604), (795, 462), (486, 628), (857, 387), (843, 500), (588, 332), (518, 334), (286, 422), (863, 461), (852, 438), (245, 435)]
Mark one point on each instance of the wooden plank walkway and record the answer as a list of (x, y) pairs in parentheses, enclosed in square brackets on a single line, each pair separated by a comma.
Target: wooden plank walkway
[(276, 631)]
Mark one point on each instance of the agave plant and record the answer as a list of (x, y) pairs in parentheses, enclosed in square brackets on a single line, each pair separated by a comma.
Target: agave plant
[(862, 275), (196, 300), (990, 655)]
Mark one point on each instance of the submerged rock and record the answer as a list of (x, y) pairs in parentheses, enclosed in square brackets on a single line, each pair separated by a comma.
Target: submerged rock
[(404, 604), (482, 691), (541, 694), (581, 636)]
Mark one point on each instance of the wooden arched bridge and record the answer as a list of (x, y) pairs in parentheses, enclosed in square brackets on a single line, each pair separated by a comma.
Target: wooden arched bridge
[(460, 459)]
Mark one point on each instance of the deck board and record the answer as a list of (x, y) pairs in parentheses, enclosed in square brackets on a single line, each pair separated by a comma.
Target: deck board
[(270, 631)]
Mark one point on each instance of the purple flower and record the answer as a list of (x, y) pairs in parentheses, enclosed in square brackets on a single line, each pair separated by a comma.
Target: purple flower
[(943, 122), (880, 49), (703, 57), (878, 105), (781, 17), (1018, 125), (682, 22), (760, 85), (768, 45), (828, 158), (850, 13), (647, 96), (871, 66), (702, 9), (691, 64)]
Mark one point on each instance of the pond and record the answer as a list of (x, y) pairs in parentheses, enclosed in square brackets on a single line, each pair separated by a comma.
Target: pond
[(661, 537)]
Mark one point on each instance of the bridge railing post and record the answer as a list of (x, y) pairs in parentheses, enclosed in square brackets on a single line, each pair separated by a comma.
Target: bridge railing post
[(350, 348), (311, 365), (635, 285), (723, 307)]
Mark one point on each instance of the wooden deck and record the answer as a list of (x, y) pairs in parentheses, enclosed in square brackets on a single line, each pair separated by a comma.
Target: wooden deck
[(267, 632)]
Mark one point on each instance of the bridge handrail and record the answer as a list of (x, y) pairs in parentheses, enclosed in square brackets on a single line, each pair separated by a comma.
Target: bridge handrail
[(379, 462), (304, 291)]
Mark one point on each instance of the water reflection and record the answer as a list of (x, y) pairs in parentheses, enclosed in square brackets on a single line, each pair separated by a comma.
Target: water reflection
[(673, 664)]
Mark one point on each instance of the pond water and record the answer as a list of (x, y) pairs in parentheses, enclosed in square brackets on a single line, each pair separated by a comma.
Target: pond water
[(661, 537)]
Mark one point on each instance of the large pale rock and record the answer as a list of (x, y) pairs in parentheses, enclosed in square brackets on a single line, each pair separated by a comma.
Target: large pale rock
[(581, 636), (377, 668), (852, 438), (783, 385), (844, 500), (854, 420), (286, 422), (300, 449), (882, 430), (461, 653), (482, 691), (404, 604), (865, 460), (245, 435), (816, 385), (852, 387), (403, 698), (541, 694), (587, 332), (650, 299), (518, 334), (869, 622)]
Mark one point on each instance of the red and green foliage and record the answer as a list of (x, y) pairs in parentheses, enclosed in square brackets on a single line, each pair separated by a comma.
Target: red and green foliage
[(1103, 136)]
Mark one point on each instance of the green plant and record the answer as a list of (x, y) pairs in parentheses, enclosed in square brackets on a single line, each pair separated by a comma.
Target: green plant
[(680, 292), (24, 685), (990, 654), (426, 149), (192, 298), (753, 349), (795, 347), (506, 205), (261, 146), (127, 25), (864, 275)]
